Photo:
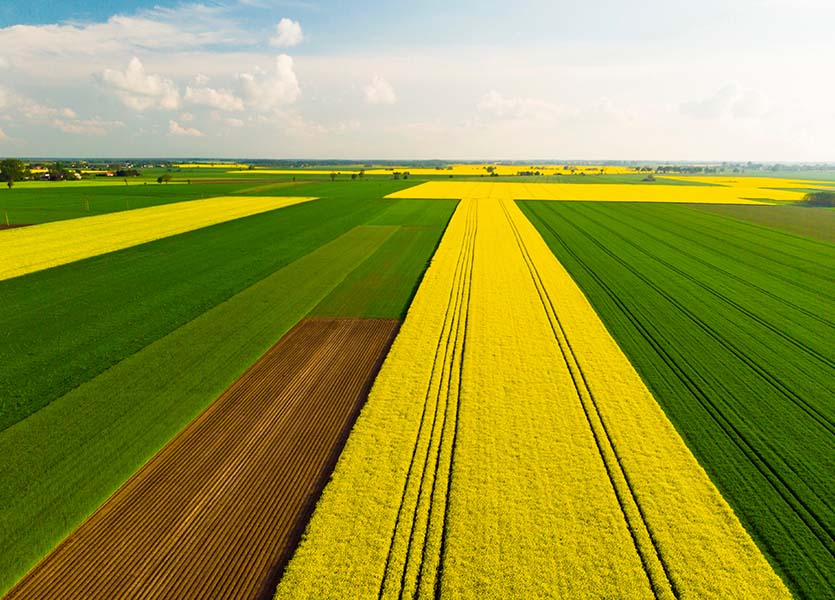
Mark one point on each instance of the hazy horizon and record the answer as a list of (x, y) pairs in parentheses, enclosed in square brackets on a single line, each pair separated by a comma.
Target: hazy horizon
[(296, 80)]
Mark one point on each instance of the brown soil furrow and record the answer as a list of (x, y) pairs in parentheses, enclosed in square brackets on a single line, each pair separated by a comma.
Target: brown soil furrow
[(217, 512), (151, 489)]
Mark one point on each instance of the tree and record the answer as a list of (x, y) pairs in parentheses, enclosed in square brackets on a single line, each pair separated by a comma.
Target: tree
[(362, 173), (333, 176), (826, 199), (353, 176), (11, 170), (164, 178)]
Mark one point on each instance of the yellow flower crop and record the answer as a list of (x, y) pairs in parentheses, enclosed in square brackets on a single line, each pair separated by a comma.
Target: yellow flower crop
[(38, 247), (508, 449), (475, 170), (748, 193)]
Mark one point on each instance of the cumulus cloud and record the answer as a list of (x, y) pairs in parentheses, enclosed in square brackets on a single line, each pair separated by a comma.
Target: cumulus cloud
[(94, 126), (188, 26), (233, 122), (29, 109), (3, 135), (175, 128), (220, 99), (506, 107), (34, 110), (288, 34), (730, 101), (379, 91), (140, 90), (266, 91)]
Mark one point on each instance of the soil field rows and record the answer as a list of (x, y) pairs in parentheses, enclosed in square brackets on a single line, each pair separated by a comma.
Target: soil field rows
[(214, 514), (489, 464)]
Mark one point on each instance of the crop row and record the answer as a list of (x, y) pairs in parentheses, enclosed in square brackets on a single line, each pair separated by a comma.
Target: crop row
[(196, 311), (215, 512), (730, 326), (508, 442), (31, 249)]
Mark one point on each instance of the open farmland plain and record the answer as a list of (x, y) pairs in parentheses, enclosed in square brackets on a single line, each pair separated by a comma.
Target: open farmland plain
[(602, 388), (731, 326), (81, 414), (236, 482), (461, 477)]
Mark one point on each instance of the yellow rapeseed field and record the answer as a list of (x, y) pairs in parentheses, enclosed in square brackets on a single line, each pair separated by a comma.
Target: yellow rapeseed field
[(508, 449), (38, 247), (220, 165), (747, 192), (457, 170), (761, 182)]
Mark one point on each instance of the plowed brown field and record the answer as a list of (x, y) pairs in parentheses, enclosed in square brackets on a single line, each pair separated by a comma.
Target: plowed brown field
[(216, 513)]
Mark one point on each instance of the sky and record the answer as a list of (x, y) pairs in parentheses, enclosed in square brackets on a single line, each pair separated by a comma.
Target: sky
[(598, 80)]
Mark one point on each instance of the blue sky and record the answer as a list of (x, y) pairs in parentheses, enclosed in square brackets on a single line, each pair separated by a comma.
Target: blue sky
[(601, 79)]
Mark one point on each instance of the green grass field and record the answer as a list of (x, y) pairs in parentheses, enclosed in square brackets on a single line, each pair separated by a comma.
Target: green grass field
[(195, 310), (730, 325), (818, 223)]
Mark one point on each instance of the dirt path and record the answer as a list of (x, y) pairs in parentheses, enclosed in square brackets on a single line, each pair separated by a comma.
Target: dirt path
[(216, 512)]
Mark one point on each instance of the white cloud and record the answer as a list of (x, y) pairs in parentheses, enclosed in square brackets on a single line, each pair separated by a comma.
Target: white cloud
[(94, 126), (732, 100), (232, 122), (289, 34), (33, 110), (265, 91), (188, 26), (139, 90), (504, 107), (347, 126), (3, 135), (214, 98), (29, 109), (175, 128), (187, 117), (379, 91)]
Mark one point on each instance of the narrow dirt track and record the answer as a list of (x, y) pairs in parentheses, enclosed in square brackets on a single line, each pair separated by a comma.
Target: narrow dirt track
[(216, 513)]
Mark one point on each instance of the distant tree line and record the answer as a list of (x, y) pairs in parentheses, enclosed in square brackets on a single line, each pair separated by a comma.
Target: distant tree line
[(825, 199)]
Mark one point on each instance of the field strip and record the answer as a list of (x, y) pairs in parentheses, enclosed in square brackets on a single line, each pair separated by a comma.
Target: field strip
[(494, 464), (214, 513), (608, 192), (60, 463), (38, 247), (753, 406)]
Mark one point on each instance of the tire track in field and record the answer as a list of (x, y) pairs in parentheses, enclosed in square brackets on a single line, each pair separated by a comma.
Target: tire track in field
[(430, 469), (808, 313), (216, 513), (759, 256), (773, 381), (773, 479), (655, 567)]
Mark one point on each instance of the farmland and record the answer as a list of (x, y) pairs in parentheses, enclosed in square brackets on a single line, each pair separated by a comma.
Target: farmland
[(27, 250), (449, 459), (599, 387), (203, 492), (730, 326), (79, 431)]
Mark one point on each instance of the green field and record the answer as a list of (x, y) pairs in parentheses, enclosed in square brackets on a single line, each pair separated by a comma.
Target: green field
[(818, 223), (730, 324), (195, 310)]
